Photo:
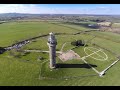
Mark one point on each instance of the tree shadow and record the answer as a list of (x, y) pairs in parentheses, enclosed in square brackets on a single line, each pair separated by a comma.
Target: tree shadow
[(2, 50), (26, 53), (75, 66)]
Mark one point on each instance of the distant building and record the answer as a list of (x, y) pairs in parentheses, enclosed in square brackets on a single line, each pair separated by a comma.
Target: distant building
[(93, 25), (104, 23)]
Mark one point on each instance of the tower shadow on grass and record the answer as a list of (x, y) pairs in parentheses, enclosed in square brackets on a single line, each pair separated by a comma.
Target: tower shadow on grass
[(75, 66)]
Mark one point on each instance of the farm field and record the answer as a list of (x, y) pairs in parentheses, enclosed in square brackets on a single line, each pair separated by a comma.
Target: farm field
[(29, 70)]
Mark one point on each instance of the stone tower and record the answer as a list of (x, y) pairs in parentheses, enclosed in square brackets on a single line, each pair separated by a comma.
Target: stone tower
[(52, 42)]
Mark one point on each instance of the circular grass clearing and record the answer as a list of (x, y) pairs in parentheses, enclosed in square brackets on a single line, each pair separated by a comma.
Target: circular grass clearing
[(95, 53)]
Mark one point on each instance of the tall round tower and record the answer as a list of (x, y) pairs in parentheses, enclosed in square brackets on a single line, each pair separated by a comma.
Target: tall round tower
[(52, 42)]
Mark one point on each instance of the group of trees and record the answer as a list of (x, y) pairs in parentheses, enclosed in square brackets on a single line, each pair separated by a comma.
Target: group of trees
[(2, 50), (78, 43), (68, 17)]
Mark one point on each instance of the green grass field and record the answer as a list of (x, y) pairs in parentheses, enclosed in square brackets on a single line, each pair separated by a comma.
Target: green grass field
[(27, 70)]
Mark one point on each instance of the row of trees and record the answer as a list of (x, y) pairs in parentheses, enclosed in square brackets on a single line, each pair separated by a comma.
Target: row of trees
[(78, 18)]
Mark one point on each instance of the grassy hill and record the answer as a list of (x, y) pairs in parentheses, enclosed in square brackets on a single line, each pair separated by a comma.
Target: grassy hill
[(29, 70)]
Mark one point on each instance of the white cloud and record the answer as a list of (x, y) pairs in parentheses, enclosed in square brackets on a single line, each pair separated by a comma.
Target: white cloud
[(33, 8), (102, 7), (23, 8), (44, 9)]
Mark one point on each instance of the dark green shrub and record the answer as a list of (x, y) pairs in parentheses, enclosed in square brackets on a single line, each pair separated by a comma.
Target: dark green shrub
[(78, 43)]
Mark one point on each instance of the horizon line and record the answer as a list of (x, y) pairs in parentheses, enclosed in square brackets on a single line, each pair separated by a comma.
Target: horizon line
[(57, 13)]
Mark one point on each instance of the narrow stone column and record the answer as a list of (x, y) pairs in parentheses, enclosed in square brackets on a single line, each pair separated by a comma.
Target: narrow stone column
[(52, 42)]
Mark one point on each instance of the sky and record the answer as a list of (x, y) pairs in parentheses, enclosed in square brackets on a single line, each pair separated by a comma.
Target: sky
[(107, 9)]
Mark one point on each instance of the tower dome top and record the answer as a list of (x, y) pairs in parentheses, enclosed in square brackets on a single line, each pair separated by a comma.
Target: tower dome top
[(51, 33), (52, 39)]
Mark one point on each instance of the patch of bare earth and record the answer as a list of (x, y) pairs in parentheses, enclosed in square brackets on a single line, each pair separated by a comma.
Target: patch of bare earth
[(69, 55)]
